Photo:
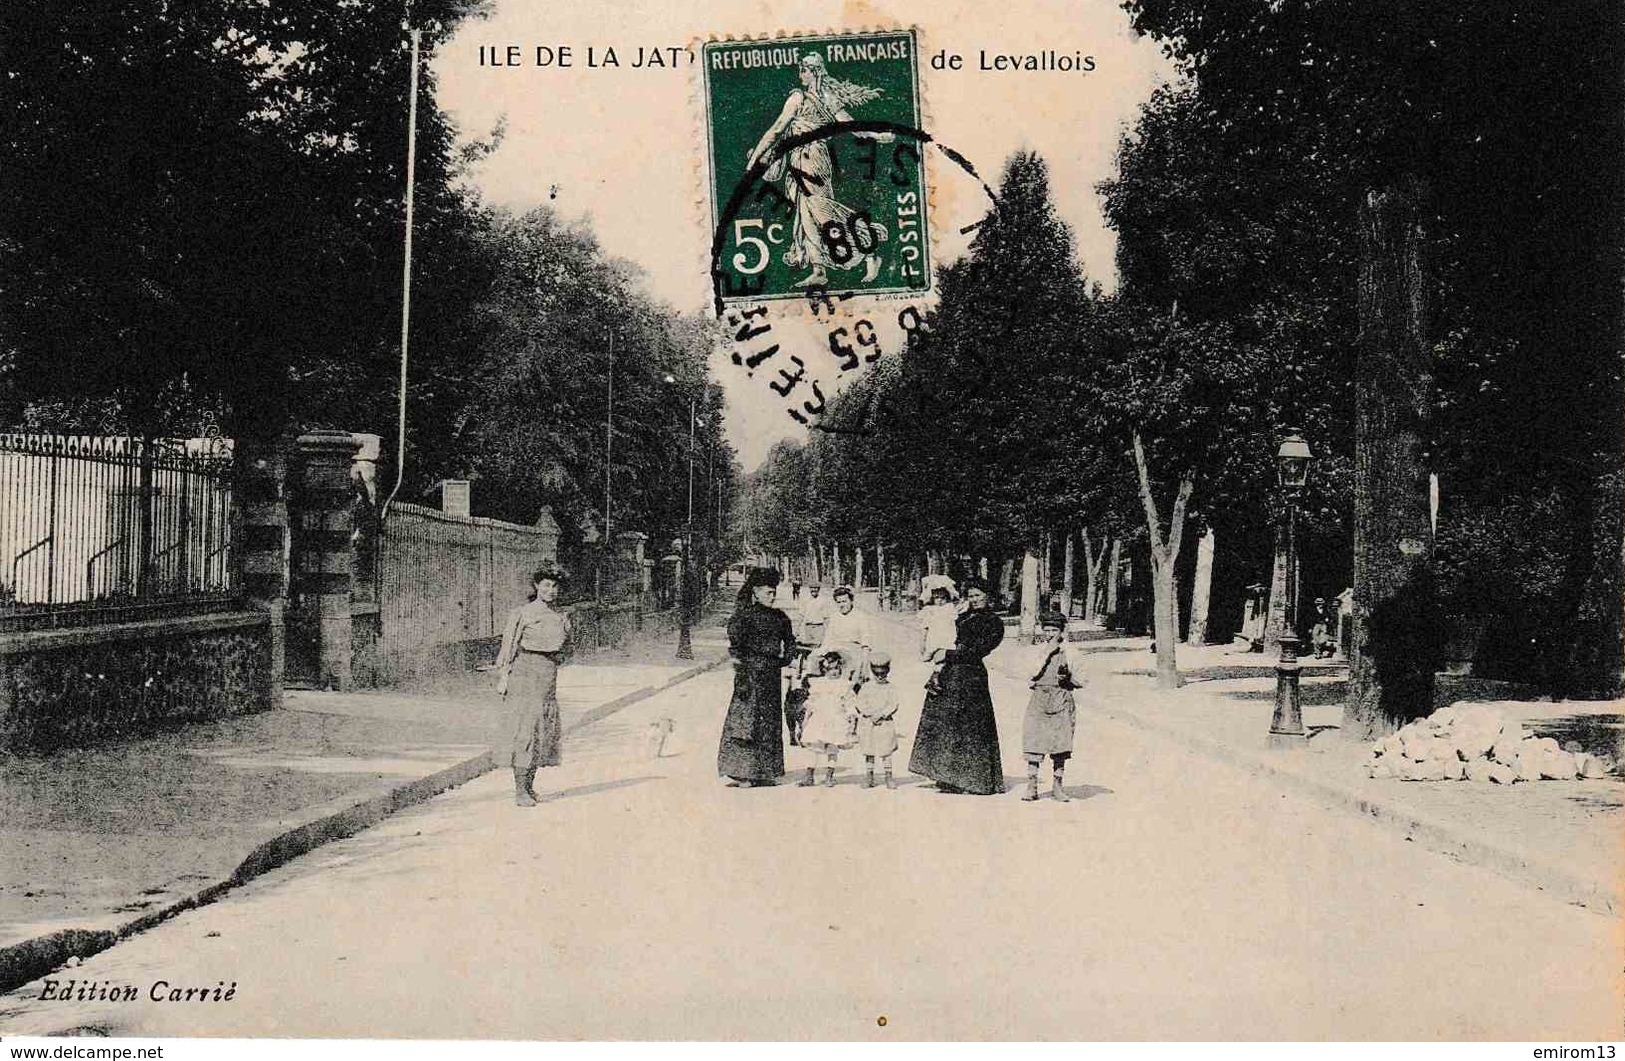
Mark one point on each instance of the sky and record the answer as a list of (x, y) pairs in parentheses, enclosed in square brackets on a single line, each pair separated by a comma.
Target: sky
[(623, 147)]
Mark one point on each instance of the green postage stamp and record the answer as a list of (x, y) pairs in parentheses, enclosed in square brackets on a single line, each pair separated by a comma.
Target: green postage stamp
[(816, 167)]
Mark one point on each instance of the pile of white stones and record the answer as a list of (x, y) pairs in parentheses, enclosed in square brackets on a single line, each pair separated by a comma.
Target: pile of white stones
[(1479, 742)]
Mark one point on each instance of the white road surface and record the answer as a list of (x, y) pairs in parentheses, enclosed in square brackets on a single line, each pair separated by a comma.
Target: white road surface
[(1174, 898)]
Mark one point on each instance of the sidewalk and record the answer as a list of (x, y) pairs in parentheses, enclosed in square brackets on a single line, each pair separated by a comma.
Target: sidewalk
[(103, 842), (1565, 837)]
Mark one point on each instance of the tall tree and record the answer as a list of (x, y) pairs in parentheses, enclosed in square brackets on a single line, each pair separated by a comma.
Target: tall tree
[(986, 389), (1503, 127), (209, 194)]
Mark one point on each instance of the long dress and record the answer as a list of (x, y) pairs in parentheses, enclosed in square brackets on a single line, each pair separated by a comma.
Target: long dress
[(536, 642), (957, 740), (752, 744)]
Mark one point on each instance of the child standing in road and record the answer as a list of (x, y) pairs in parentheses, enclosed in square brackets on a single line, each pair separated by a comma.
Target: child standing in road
[(1050, 722), (876, 704), (831, 722)]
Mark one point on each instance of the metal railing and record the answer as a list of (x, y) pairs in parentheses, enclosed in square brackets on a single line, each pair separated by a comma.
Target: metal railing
[(96, 528)]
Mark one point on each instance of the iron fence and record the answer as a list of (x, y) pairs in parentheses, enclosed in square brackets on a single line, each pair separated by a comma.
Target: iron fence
[(95, 527)]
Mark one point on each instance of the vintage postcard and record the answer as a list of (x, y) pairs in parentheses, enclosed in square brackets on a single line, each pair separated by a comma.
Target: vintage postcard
[(875, 521)]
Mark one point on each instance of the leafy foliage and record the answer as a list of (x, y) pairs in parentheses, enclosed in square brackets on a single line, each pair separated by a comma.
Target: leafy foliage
[(209, 192), (1291, 112)]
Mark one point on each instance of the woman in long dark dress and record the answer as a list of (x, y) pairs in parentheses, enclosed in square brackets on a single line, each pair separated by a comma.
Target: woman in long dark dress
[(956, 743), (761, 642)]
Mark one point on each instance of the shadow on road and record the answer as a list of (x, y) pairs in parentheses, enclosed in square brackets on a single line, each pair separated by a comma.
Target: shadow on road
[(1233, 671), (1315, 693), (593, 789)]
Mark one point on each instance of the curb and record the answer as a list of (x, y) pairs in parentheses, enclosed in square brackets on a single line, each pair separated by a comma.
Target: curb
[(22, 963), (1442, 838), (1435, 836)]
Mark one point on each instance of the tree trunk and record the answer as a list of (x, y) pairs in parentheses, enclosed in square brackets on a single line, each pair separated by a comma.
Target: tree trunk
[(1066, 577), (1092, 560), (1275, 625), (1165, 618), (857, 569), (1045, 583), (1395, 630), (1203, 588), (1114, 570), (1029, 593), (1164, 555), (880, 572)]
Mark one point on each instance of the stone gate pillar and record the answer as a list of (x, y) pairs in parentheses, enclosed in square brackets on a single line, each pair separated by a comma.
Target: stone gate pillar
[(262, 523), (323, 565)]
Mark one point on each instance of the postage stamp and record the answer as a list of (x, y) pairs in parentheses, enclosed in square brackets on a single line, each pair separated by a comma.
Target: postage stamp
[(813, 180)]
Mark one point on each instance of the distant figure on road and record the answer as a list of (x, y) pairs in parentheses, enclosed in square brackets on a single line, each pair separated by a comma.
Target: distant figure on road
[(1323, 637), (534, 645), (848, 630), (813, 614), (751, 751), (956, 743)]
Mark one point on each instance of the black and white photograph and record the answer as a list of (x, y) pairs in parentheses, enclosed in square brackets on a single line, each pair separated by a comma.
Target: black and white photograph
[(864, 522)]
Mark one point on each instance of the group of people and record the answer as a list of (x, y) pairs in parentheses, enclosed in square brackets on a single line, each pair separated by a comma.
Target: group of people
[(841, 696)]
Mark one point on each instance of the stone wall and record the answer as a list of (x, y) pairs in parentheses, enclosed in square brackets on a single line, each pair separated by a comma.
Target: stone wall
[(63, 688), (445, 586)]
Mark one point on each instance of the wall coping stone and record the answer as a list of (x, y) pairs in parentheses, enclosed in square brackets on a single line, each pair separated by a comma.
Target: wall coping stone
[(469, 521), (73, 637)]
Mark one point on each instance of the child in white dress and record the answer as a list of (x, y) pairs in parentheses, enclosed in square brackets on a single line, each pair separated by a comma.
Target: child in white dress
[(831, 720)]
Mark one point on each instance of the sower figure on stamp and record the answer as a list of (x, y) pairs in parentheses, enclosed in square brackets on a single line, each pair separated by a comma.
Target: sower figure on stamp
[(957, 741), (534, 645), (808, 173), (1051, 720), (751, 751)]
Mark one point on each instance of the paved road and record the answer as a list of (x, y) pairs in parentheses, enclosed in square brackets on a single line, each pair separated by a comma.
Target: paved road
[(1176, 898)]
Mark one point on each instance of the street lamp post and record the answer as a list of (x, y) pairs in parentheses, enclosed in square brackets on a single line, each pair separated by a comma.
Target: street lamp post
[(1286, 726), (609, 445), (685, 642)]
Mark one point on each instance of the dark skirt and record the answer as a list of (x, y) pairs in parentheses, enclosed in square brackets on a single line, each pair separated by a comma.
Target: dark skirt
[(533, 693), (752, 745), (957, 740)]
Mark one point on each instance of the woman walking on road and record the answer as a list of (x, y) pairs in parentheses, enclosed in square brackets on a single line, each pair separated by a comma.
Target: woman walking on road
[(534, 645), (956, 743), (751, 752)]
